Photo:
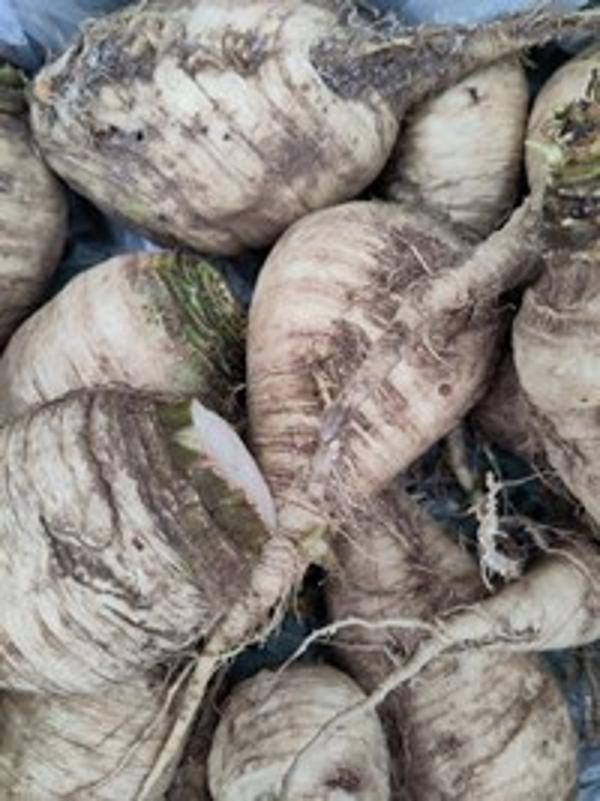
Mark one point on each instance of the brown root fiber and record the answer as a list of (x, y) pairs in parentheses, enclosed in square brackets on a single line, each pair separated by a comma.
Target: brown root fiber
[(126, 534)]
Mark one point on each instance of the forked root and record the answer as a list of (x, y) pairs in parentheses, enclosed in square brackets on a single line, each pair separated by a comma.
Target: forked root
[(250, 620)]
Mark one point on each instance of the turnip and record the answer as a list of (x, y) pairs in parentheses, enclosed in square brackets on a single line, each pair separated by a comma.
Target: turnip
[(555, 336), (462, 150), (372, 331), (33, 211), (250, 619), (504, 416), (128, 529), (151, 321), (471, 725), (270, 717), (217, 124), (567, 84), (82, 748)]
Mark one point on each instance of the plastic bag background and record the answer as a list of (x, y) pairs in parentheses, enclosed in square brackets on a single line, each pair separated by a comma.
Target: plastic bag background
[(465, 11), (34, 31)]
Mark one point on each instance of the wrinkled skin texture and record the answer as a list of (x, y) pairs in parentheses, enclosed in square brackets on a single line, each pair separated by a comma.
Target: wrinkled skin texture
[(207, 124), (268, 719), (128, 528), (84, 748)]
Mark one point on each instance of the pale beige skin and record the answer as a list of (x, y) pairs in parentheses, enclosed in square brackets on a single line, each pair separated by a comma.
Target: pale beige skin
[(462, 150), (471, 725), (372, 331), (128, 529), (556, 338), (504, 416), (82, 748), (33, 218), (217, 124), (153, 322), (567, 83), (555, 605), (266, 722), (557, 355), (209, 126)]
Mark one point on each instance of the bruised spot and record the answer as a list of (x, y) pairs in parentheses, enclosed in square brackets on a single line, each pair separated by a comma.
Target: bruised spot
[(445, 390), (6, 181), (448, 744), (345, 779)]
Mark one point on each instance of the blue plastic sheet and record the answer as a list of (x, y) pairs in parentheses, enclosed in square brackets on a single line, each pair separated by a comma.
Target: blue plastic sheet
[(34, 31)]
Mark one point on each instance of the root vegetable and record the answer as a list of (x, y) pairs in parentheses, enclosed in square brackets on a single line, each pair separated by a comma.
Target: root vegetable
[(504, 415), (567, 84), (84, 748), (249, 620), (372, 331), (554, 606), (462, 150), (555, 335), (216, 116), (269, 718), (33, 211), (217, 124), (471, 725), (155, 322), (190, 779), (128, 529)]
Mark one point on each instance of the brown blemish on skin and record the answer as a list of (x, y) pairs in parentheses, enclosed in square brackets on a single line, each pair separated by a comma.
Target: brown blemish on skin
[(6, 181), (244, 51), (345, 779), (391, 403), (474, 95), (440, 55), (348, 346)]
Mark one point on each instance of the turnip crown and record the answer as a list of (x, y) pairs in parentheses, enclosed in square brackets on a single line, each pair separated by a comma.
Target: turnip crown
[(572, 200)]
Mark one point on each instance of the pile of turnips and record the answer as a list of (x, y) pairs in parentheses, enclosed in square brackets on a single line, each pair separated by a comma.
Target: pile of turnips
[(174, 464)]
